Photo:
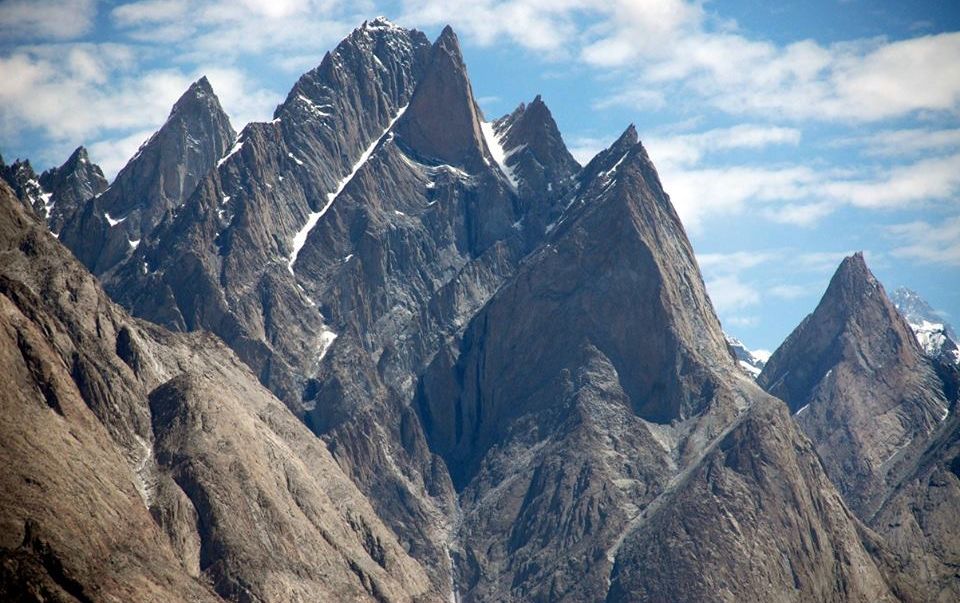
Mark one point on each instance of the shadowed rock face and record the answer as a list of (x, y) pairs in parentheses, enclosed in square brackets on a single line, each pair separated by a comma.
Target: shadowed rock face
[(157, 180), (442, 122), (583, 396), (147, 466), (859, 384), (759, 499)]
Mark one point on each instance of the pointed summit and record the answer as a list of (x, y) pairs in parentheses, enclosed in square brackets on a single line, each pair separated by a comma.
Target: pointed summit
[(442, 122), (536, 155), (858, 383), (199, 91), (69, 185), (607, 158), (159, 178)]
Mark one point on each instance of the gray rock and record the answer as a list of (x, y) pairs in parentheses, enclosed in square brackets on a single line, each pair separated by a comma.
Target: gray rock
[(151, 466), (154, 183), (859, 384), (69, 186)]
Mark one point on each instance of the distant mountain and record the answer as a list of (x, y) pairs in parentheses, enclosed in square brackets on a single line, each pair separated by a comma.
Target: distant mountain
[(750, 361), (57, 193), (936, 336), (25, 184)]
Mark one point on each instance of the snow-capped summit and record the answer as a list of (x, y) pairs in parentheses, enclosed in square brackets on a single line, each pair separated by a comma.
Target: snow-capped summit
[(751, 361), (935, 335)]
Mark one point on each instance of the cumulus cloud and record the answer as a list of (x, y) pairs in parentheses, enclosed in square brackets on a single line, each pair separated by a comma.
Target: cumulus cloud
[(46, 19), (65, 93), (111, 154), (865, 80), (728, 293), (934, 243), (689, 149)]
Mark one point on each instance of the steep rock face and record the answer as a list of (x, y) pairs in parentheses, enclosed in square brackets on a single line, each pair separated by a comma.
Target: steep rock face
[(69, 185), (226, 261), (756, 520), (206, 485), (584, 390), (918, 518), (443, 122), (157, 180), (859, 384), (415, 242), (538, 160)]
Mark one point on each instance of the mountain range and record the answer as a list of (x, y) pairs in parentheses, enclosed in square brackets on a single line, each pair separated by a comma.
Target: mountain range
[(384, 348)]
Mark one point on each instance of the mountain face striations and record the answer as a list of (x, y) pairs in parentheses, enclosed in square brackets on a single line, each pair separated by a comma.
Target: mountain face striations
[(206, 485), (155, 182), (860, 385), (397, 351)]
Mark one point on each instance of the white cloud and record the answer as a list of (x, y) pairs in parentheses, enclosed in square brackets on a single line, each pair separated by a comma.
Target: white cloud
[(907, 141), (729, 293), (83, 90), (802, 195), (111, 154), (698, 194), (585, 148), (148, 12), (46, 19), (792, 291), (547, 26), (735, 262), (741, 321), (673, 43), (689, 149), (239, 95), (935, 243), (925, 180)]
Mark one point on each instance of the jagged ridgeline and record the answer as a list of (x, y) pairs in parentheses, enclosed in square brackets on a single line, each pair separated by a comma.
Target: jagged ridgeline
[(383, 347)]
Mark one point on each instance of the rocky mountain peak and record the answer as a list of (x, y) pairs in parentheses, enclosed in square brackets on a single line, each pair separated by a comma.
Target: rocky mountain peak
[(69, 186), (442, 123), (827, 372), (158, 179), (25, 184), (607, 158), (535, 154)]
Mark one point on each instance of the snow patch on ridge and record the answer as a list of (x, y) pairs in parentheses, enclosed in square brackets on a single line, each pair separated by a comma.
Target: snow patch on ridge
[(111, 221), (300, 239), (327, 338), (236, 148), (496, 149)]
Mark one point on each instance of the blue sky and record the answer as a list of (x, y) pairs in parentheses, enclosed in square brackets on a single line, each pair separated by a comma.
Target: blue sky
[(787, 136)]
